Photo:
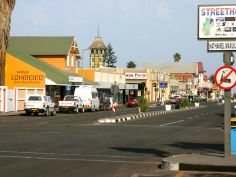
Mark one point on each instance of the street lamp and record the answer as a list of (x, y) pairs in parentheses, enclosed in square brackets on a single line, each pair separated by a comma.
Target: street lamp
[(83, 63)]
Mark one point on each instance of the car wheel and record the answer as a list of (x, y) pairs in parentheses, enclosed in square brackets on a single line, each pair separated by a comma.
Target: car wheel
[(82, 109), (46, 112), (53, 112), (28, 113), (76, 110)]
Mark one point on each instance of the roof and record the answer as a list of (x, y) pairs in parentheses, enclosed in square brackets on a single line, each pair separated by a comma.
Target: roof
[(41, 45), (97, 44), (52, 73), (180, 67), (200, 67)]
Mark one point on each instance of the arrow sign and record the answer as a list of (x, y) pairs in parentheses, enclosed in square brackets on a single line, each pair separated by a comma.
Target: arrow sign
[(225, 77)]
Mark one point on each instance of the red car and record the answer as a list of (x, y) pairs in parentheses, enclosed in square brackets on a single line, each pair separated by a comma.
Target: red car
[(132, 102)]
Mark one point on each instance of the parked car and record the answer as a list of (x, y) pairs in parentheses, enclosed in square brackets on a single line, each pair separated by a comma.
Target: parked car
[(71, 103), (89, 97), (132, 102), (39, 104), (175, 99), (104, 102)]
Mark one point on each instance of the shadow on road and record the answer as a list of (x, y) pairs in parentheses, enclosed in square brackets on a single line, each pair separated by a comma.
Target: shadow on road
[(156, 152), (205, 147)]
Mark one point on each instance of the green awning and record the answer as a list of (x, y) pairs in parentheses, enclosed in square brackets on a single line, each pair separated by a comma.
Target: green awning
[(54, 74)]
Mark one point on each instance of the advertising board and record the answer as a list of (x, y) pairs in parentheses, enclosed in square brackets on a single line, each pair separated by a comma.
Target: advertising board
[(216, 21)]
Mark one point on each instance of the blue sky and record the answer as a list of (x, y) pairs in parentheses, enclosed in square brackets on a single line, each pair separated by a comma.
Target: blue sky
[(139, 30)]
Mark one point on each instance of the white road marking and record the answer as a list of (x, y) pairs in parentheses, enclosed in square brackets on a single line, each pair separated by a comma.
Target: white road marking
[(78, 159), (196, 116), (171, 123), (190, 118), (58, 154)]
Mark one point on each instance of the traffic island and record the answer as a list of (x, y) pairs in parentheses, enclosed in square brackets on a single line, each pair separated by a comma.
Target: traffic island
[(117, 119), (200, 162)]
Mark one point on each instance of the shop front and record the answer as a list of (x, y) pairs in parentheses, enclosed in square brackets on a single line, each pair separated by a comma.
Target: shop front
[(21, 80)]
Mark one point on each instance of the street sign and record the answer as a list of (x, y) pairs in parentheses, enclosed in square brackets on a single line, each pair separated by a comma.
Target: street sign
[(114, 89), (225, 77), (221, 45), (216, 21), (163, 84)]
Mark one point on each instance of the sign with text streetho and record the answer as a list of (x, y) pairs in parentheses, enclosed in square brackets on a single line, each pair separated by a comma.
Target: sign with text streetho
[(216, 21), (141, 76)]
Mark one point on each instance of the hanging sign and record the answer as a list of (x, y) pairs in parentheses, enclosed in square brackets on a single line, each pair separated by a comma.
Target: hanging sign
[(225, 77)]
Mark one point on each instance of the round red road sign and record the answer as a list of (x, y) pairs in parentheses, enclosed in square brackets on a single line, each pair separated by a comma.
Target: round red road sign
[(225, 77)]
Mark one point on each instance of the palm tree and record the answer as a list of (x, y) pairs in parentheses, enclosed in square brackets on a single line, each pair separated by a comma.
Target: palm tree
[(131, 64), (211, 78), (6, 8), (177, 57)]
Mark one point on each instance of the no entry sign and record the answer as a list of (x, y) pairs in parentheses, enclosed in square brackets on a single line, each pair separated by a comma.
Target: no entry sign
[(225, 77)]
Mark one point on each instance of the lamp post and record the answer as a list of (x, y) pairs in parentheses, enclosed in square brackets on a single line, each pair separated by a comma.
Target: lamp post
[(83, 63)]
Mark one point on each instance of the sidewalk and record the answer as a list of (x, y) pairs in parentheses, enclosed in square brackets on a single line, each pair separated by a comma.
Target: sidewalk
[(4, 114), (200, 162)]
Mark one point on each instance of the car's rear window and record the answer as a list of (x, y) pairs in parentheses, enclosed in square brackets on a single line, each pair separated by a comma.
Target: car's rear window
[(35, 98), (69, 98)]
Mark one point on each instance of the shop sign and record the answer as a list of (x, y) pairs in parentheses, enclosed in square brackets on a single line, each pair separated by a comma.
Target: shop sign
[(221, 45), (25, 77), (141, 76), (75, 79), (216, 21), (161, 77)]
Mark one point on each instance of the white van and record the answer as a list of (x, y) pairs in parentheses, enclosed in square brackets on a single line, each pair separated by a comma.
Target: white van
[(89, 97)]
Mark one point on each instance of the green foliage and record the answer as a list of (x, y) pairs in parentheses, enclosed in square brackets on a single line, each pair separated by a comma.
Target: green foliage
[(196, 100), (211, 78), (185, 103), (143, 104), (177, 57), (167, 102), (131, 64), (110, 58)]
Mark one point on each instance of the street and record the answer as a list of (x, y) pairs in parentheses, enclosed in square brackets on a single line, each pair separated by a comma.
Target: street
[(76, 145)]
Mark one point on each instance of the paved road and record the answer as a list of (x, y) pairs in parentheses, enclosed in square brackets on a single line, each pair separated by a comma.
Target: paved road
[(75, 145)]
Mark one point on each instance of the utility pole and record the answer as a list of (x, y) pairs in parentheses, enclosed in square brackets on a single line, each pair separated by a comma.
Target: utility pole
[(227, 108)]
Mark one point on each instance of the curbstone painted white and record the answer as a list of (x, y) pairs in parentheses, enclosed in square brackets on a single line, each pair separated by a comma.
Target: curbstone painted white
[(117, 120)]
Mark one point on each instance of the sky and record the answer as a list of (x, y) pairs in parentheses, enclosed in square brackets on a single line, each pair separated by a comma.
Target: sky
[(143, 31)]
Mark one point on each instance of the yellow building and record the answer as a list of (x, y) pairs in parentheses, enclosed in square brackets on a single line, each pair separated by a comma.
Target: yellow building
[(97, 53)]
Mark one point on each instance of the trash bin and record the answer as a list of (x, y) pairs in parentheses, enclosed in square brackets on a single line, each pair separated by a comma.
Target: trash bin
[(233, 136), (177, 105)]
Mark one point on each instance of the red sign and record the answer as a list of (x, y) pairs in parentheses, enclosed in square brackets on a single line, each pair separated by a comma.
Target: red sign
[(225, 77)]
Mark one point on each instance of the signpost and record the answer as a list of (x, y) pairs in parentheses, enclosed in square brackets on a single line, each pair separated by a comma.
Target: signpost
[(217, 23)]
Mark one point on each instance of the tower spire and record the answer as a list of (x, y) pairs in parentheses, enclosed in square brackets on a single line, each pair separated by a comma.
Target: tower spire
[(98, 30)]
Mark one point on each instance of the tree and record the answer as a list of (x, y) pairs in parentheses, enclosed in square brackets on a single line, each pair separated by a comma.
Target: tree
[(177, 57), (212, 79), (110, 58), (6, 8), (131, 64)]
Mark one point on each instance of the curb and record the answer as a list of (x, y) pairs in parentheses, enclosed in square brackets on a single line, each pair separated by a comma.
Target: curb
[(143, 115), (176, 166)]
